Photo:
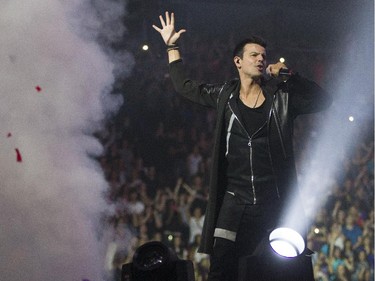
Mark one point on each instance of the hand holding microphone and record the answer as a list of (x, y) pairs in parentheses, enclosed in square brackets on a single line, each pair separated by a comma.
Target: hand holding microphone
[(278, 69)]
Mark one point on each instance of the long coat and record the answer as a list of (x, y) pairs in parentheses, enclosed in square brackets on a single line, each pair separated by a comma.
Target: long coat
[(289, 99)]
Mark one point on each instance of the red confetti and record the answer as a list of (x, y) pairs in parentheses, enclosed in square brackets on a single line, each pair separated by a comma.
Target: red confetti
[(19, 157), (9, 135), (38, 88)]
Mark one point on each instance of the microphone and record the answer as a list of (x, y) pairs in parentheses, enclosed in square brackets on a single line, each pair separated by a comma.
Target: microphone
[(285, 72)]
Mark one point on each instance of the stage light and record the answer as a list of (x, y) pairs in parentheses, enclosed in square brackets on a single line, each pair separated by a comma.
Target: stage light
[(152, 256), (145, 47), (287, 242), (282, 60), (281, 256), (155, 261)]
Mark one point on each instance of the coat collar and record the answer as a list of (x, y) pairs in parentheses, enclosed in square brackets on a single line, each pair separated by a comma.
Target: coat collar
[(269, 86)]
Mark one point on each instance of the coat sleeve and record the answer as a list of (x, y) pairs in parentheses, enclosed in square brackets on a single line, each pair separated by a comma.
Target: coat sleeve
[(204, 94), (306, 96)]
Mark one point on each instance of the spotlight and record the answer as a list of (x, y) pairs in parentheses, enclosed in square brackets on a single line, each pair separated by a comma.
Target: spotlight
[(287, 242), (145, 47), (152, 256), (282, 60), (281, 256), (155, 261)]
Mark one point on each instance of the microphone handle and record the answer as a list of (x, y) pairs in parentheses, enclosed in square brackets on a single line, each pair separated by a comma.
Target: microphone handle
[(285, 72)]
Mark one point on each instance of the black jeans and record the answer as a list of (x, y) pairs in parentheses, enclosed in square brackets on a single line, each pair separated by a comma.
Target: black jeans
[(255, 224)]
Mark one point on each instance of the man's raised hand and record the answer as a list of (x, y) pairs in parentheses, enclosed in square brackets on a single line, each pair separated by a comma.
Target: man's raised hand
[(167, 31)]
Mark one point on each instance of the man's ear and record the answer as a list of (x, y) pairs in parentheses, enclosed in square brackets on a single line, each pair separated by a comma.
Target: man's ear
[(237, 61)]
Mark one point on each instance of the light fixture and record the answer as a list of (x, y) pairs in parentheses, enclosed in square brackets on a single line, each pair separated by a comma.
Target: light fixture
[(155, 261), (280, 256), (287, 242)]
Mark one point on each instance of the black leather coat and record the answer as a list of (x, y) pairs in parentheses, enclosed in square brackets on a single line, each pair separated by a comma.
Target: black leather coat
[(289, 99)]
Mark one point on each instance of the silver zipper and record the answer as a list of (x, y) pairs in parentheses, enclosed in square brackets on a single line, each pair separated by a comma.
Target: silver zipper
[(251, 160), (251, 152), (252, 171)]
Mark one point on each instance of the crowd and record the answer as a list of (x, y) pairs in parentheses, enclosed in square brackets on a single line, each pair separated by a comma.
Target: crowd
[(157, 157)]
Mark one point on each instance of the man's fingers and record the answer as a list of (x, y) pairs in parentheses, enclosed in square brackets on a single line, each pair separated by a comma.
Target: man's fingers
[(162, 21), (156, 28), (269, 70), (274, 69), (172, 19), (181, 31), (167, 18)]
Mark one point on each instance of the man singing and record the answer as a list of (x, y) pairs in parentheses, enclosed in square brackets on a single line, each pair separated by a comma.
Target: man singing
[(253, 170)]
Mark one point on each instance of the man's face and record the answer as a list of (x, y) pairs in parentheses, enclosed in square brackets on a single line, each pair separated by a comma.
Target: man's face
[(253, 61)]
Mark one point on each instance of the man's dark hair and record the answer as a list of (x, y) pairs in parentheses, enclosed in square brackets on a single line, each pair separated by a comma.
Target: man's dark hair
[(238, 50)]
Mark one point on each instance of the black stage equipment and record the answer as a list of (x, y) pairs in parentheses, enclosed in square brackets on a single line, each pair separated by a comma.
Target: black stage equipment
[(270, 263), (154, 261)]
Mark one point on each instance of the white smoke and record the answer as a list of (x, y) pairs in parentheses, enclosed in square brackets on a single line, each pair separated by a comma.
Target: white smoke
[(352, 87), (54, 94)]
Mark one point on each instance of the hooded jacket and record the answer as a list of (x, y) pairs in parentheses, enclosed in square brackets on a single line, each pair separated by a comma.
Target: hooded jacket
[(289, 99)]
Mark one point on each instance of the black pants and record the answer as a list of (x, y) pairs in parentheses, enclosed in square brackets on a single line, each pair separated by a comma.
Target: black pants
[(256, 221)]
